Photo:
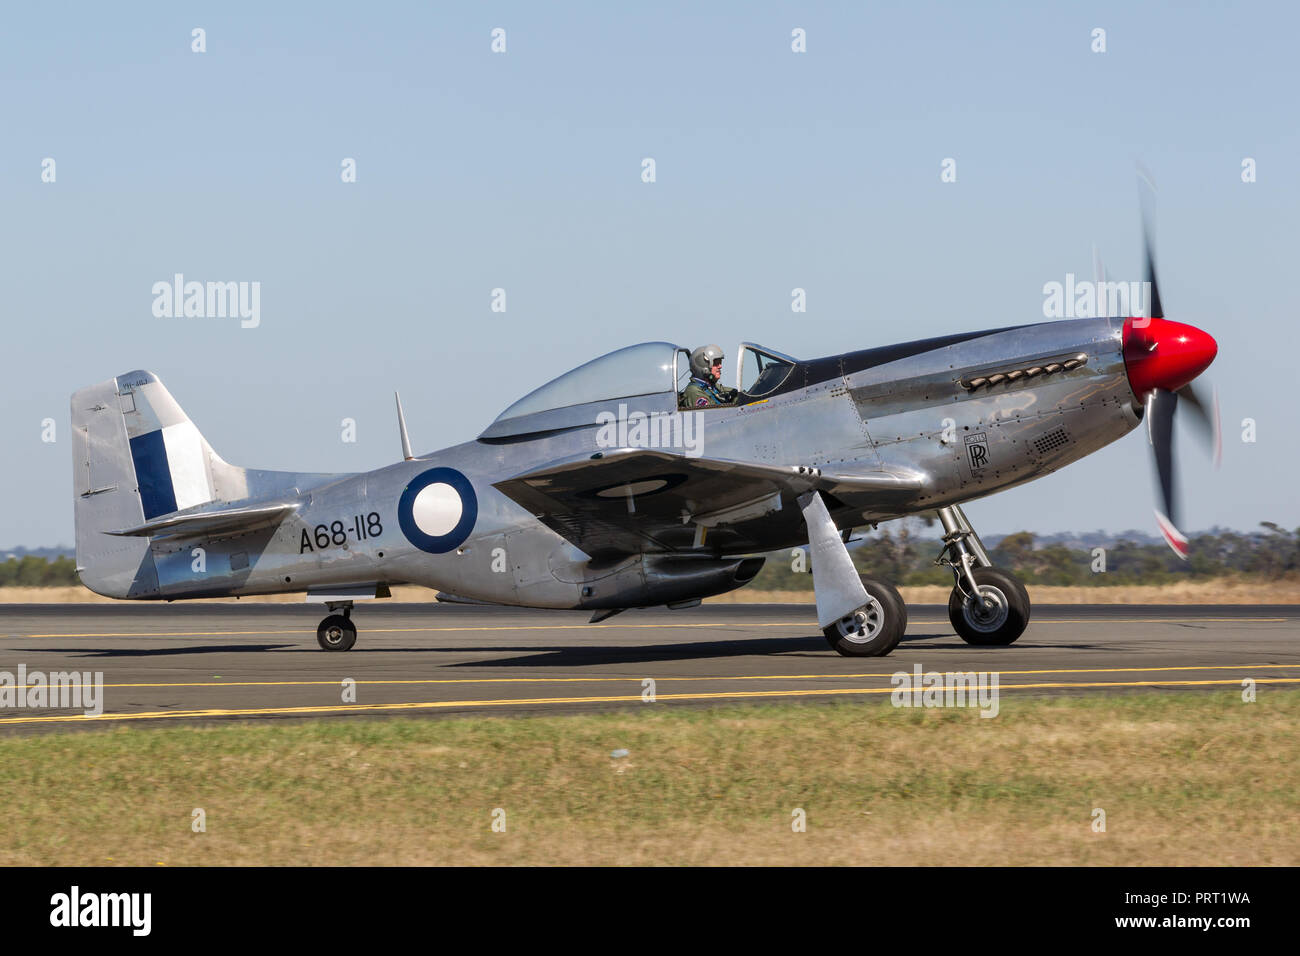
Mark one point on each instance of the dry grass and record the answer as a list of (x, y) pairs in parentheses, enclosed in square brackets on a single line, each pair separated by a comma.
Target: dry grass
[(1185, 779), (1214, 591)]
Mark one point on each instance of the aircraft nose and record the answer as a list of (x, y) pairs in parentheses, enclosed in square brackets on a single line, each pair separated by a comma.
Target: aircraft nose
[(1164, 354)]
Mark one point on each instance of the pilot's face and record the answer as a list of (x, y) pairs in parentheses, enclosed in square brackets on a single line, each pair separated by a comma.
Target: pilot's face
[(716, 370)]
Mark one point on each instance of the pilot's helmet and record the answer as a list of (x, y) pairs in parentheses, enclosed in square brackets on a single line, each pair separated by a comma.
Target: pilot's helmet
[(702, 360)]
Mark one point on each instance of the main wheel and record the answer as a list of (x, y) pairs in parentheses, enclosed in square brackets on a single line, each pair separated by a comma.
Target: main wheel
[(997, 623), (336, 633), (874, 629)]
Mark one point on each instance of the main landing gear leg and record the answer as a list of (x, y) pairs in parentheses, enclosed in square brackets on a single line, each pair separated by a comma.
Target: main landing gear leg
[(988, 607), (860, 616), (337, 632)]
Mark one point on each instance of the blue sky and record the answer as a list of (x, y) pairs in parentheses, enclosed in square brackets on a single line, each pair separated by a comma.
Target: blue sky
[(522, 170)]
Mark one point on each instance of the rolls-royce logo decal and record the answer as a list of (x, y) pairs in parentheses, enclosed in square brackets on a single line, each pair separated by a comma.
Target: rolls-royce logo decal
[(977, 450)]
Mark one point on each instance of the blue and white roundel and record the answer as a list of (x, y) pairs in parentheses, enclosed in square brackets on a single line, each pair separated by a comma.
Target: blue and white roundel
[(437, 510)]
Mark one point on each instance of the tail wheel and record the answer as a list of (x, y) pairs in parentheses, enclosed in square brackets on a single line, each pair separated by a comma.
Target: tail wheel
[(997, 617), (336, 633), (874, 629)]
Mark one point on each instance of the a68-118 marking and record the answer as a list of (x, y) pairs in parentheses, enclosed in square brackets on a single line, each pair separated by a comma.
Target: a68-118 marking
[(336, 533)]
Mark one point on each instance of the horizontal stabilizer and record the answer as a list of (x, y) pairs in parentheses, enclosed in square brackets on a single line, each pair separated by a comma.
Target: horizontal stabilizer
[(224, 521)]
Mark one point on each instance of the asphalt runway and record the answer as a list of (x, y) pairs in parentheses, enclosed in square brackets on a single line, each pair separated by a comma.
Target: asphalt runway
[(163, 664)]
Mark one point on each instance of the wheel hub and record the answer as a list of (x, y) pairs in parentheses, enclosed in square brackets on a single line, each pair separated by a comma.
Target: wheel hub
[(988, 612), (864, 624)]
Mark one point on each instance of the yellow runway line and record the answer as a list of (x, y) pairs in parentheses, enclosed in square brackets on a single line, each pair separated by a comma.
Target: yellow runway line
[(443, 705), (665, 679)]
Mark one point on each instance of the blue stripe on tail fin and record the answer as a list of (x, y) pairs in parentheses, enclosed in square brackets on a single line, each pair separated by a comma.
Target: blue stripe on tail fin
[(149, 454)]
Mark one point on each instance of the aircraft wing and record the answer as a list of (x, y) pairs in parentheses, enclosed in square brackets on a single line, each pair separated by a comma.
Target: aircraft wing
[(224, 520), (632, 499)]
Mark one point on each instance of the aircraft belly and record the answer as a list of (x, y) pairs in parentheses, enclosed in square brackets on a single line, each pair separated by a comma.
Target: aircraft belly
[(530, 552)]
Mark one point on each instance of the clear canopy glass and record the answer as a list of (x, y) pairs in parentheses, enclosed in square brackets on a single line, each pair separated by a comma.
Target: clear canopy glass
[(762, 370), (636, 370)]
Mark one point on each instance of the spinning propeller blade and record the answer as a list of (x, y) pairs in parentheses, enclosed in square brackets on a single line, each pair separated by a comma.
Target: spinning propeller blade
[(1162, 358)]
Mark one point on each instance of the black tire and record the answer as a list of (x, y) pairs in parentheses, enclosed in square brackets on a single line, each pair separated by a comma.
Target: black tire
[(336, 633), (1001, 624), (879, 625)]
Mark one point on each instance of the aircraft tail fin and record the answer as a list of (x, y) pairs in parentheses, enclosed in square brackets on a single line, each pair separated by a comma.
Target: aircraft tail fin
[(136, 456)]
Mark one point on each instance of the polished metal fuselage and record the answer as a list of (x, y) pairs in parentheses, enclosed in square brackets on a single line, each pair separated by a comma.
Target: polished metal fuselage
[(917, 415)]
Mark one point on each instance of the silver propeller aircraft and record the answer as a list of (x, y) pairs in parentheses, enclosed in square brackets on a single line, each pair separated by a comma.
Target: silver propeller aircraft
[(598, 491)]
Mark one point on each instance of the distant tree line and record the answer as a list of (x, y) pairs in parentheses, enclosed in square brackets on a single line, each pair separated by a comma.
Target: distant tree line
[(905, 555), (31, 571), (901, 555)]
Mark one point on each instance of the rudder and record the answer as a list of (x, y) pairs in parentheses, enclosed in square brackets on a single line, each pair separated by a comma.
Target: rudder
[(136, 456)]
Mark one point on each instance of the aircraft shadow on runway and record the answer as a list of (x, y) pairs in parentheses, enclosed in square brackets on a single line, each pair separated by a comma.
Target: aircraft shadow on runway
[(157, 651), (814, 647), (583, 655), (593, 655)]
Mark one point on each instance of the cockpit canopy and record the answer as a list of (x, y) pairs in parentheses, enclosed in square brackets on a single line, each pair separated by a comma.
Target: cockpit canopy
[(636, 370), (645, 378), (761, 371)]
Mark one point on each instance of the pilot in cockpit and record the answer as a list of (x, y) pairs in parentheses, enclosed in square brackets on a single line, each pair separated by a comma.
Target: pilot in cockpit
[(705, 389)]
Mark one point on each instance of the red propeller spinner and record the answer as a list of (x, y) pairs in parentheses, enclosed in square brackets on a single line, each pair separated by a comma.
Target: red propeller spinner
[(1162, 354)]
